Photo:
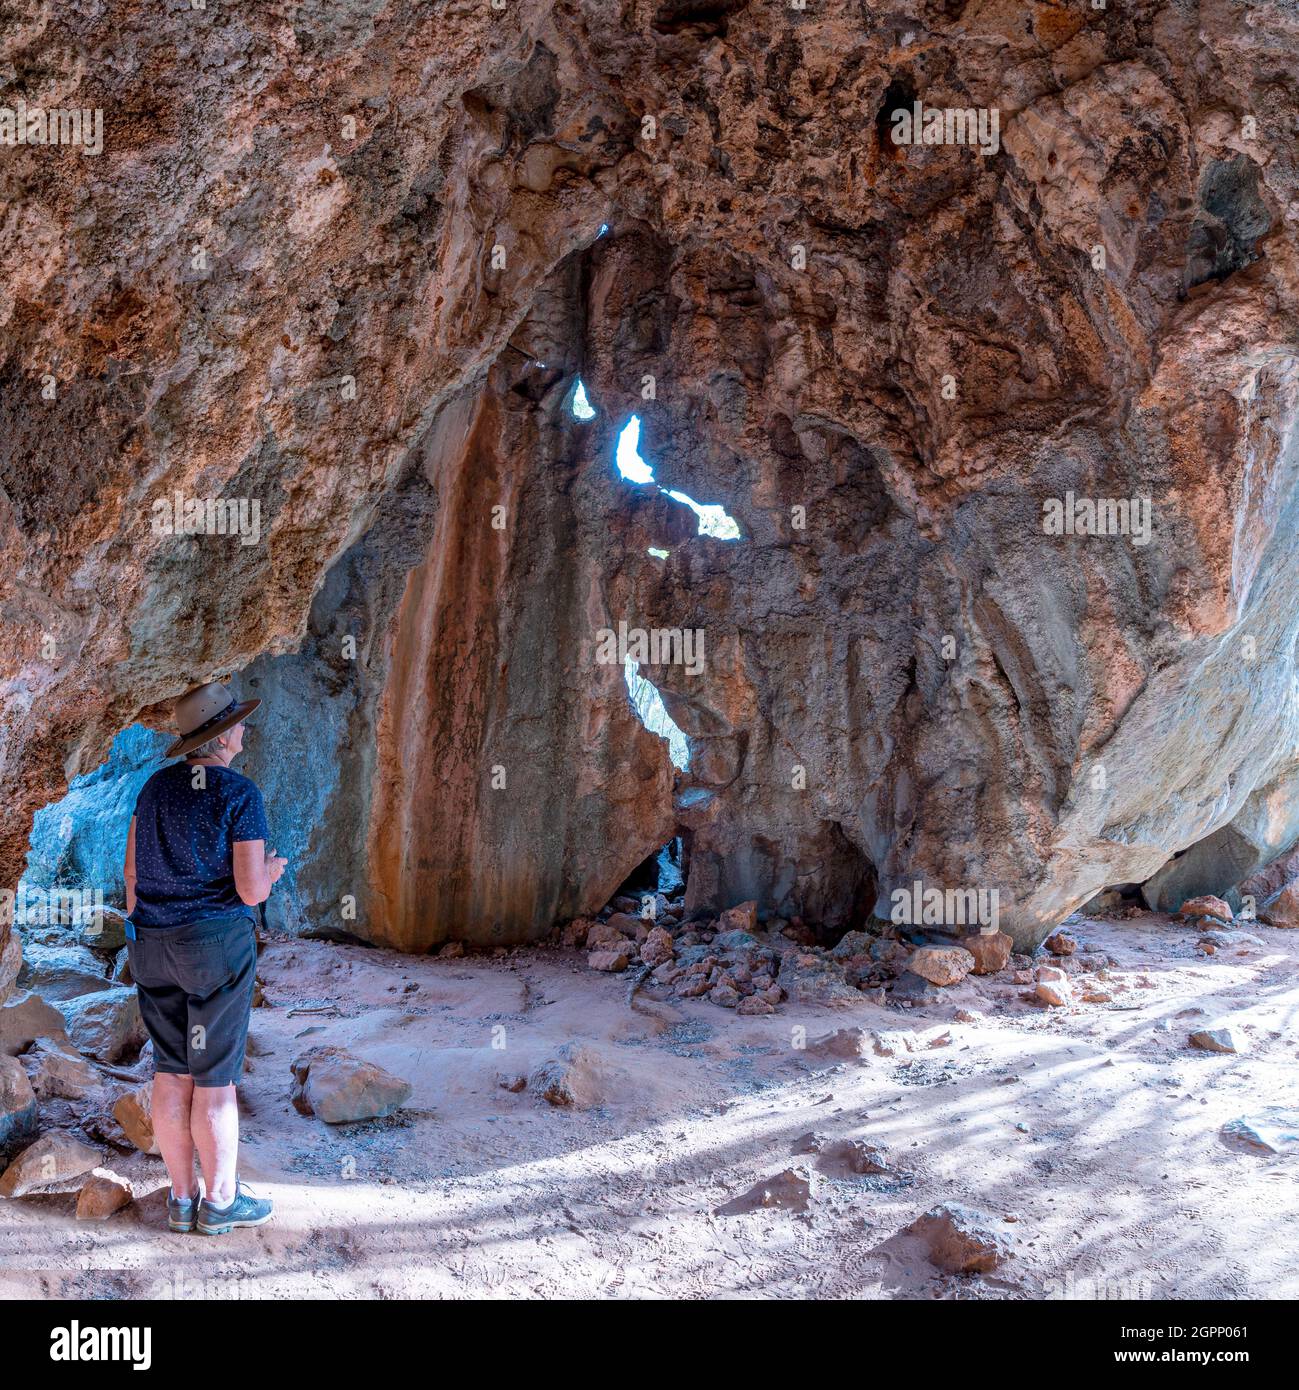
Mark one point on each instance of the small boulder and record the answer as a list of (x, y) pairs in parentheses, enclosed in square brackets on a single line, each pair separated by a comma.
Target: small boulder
[(851, 1158), (787, 1191), (134, 1112), (736, 940), (1219, 1039), (62, 972), (1052, 986), (339, 1088), (104, 1025), (849, 1044), (657, 947), (743, 917), (575, 933), (1206, 906), (611, 962), (960, 1240), (53, 1158), (1061, 943), (102, 1194), (59, 1073), (24, 1017), (1282, 909), (626, 925), (574, 1079), (754, 1005), (601, 936), (941, 965), (453, 950), (19, 1122), (1272, 1130), (991, 952), (811, 979)]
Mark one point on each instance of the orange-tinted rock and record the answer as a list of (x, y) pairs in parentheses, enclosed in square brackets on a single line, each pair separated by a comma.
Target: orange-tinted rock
[(991, 953)]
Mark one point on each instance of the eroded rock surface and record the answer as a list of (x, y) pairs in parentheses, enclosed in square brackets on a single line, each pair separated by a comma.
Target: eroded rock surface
[(349, 263)]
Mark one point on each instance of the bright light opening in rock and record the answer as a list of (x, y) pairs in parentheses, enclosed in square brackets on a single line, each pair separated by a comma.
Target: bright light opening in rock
[(657, 553), (604, 228), (627, 454), (714, 521), (582, 409), (651, 712)]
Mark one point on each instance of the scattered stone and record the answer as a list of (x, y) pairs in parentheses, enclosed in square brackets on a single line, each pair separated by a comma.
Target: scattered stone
[(53, 1158), (102, 1194), (24, 1017), (58, 1073), (1271, 1130), (736, 940), (625, 924), (960, 1240), (602, 937), (941, 965), (850, 1044), (809, 1143), (724, 995), (1282, 909), (19, 1121), (1219, 939), (1052, 986), (1206, 906), (1061, 943), (910, 988), (104, 930), (611, 962), (134, 1112), (814, 979), (575, 933), (969, 1015), (339, 1088), (573, 1079), (787, 1191), (657, 947), (853, 943), (104, 1025), (754, 1005), (991, 952), (62, 972), (851, 1158), (121, 974), (453, 950), (1220, 1039), (743, 917), (894, 1044), (513, 1084)]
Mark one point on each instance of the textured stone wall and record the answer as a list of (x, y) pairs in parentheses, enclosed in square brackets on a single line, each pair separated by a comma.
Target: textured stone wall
[(323, 250)]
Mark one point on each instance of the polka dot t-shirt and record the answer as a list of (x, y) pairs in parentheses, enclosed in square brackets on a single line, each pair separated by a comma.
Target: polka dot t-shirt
[(184, 860)]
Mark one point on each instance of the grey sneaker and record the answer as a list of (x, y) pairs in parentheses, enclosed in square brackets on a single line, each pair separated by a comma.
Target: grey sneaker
[(182, 1212), (245, 1210)]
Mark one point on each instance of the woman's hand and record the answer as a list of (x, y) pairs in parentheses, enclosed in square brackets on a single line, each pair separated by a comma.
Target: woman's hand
[(275, 866)]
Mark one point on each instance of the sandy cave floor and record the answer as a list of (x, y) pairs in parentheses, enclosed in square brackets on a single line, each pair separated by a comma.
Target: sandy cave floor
[(1095, 1127)]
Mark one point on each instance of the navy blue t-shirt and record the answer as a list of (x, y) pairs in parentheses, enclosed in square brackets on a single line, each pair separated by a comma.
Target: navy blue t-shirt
[(184, 838)]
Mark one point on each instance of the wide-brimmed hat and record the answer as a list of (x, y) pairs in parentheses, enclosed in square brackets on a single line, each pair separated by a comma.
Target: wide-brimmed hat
[(208, 710)]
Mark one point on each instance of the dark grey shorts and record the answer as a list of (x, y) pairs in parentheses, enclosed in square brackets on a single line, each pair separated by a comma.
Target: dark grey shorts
[(196, 992)]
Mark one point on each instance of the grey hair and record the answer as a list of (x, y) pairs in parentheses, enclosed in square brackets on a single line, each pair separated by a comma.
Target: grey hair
[(210, 749)]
